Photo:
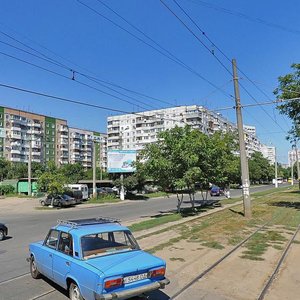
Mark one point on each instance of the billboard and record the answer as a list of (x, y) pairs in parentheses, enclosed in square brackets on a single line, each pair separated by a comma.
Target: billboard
[(121, 161)]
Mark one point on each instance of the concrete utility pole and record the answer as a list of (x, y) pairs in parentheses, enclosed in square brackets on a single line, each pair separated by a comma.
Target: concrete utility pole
[(94, 170), (100, 154), (29, 166), (276, 175), (297, 162), (292, 172), (243, 157)]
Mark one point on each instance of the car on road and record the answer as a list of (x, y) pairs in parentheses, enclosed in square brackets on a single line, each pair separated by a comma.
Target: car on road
[(96, 259), (3, 231), (58, 200), (215, 191)]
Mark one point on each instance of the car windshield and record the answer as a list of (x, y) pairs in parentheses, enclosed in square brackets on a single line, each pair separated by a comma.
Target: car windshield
[(107, 243), (66, 197)]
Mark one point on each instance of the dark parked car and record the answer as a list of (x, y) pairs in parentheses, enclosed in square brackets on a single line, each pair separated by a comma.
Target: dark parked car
[(216, 191), (77, 195), (59, 200), (3, 231)]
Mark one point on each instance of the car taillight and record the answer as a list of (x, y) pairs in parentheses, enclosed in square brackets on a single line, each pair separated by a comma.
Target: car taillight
[(113, 283), (157, 272)]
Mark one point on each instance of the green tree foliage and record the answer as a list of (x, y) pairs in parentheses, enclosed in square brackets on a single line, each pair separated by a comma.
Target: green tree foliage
[(4, 168), (72, 172), (289, 88), (52, 182), (183, 156), (260, 169), (89, 174), (17, 170), (6, 189)]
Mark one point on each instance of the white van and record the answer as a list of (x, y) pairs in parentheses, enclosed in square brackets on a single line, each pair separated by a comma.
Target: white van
[(80, 187)]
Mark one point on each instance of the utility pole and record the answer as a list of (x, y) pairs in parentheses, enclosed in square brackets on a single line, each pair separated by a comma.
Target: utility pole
[(29, 166), (243, 157), (276, 175), (292, 171), (94, 170), (100, 147), (297, 162)]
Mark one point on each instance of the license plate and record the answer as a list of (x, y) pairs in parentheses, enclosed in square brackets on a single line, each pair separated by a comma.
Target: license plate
[(133, 278)]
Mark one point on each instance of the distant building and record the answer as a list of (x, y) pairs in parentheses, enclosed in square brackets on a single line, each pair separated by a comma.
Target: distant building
[(268, 152), (292, 157), (51, 139), (134, 131)]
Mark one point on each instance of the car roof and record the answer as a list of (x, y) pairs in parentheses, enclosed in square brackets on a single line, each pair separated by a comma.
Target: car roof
[(82, 230)]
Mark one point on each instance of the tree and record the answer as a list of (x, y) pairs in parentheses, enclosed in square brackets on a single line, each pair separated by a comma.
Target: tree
[(17, 170), (89, 174), (260, 169), (183, 156), (72, 172), (52, 183), (4, 167), (289, 88)]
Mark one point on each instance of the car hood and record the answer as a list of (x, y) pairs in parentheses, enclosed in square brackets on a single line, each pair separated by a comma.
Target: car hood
[(127, 262)]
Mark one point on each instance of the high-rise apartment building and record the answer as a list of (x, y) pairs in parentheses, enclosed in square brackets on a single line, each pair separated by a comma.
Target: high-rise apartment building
[(50, 139), (134, 131), (268, 152), (292, 157)]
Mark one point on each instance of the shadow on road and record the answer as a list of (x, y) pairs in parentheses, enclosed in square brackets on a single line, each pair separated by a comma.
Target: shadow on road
[(156, 295)]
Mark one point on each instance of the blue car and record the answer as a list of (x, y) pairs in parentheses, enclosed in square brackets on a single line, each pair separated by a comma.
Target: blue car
[(96, 259)]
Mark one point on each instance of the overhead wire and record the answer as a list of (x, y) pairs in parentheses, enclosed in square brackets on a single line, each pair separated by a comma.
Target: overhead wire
[(75, 80), (170, 57), (207, 48), (242, 15), (72, 69), (69, 100)]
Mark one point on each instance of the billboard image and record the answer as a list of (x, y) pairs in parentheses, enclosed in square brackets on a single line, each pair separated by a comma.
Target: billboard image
[(121, 161)]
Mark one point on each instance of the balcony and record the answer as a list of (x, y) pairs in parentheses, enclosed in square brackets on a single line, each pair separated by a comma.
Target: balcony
[(64, 141), (17, 159)]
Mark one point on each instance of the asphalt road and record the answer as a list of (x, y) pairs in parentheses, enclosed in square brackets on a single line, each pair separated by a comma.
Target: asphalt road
[(27, 227)]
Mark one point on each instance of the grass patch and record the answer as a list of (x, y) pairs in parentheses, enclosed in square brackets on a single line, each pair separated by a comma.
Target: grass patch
[(277, 247), (164, 245), (103, 199), (156, 221), (296, 242), (213, 245), (177, 259)]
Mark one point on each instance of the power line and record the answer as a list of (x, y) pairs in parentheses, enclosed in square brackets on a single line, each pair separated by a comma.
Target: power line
[(76, 80), (203, 33), (170, 57), (242, 15), (49, 59), (68, 100), (196, 36)]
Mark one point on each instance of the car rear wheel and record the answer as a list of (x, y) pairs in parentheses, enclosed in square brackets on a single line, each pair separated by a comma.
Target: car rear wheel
[(74, 292), (2, 235), (34, 270)]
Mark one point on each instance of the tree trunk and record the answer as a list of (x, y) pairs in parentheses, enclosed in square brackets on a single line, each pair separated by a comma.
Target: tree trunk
[(179, 202)]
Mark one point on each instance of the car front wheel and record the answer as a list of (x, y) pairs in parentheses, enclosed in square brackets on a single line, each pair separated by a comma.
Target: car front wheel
[(43, 203), (34, 270), (74, 292), (2, 235)]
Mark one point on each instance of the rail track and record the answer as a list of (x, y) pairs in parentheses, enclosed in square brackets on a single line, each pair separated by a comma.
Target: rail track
[(280, 261)]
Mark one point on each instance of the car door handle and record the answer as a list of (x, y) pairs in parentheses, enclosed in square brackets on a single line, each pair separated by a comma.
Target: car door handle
[(67, 263)]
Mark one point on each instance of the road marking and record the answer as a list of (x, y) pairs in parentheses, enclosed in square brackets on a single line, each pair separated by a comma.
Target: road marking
[(42, 295), (14, 278)]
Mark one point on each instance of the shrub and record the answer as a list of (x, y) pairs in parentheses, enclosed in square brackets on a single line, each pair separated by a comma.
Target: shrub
[(6, 189)]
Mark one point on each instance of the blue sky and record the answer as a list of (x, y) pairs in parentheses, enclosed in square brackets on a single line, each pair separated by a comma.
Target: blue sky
[(94, 46)]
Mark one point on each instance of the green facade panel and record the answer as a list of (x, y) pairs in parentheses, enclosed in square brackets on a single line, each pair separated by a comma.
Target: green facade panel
[(50, 138)]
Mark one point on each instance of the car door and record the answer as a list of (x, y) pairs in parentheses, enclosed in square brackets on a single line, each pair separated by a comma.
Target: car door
[(49, 249), (63, 258)]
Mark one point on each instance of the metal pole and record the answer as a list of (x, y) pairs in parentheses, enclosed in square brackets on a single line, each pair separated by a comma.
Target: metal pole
[(94, 171), (243, 157), (276, 175), (100, 159), (29, 166), (297, 162), (292, 171), (122, 192)]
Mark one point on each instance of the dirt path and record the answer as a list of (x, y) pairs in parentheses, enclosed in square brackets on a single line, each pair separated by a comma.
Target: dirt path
[(287, 284)]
